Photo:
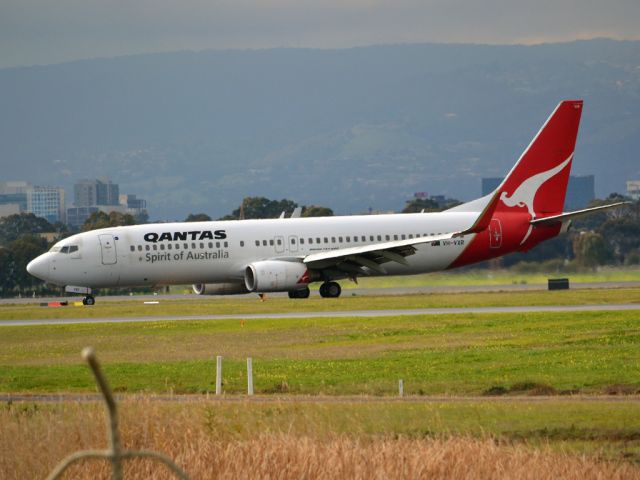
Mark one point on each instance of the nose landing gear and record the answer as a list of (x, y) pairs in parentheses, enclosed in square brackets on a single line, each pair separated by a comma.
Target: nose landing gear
[(89, 300)]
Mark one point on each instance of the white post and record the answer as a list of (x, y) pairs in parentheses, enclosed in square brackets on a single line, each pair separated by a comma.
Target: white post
[(249, 376), (218, 375), (401, 388)]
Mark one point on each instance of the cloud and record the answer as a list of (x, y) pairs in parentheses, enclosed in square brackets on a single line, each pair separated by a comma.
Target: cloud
[(41, 31)]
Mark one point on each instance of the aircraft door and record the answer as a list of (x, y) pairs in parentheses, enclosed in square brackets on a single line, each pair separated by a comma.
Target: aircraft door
[(293, 243), (108, 249), (495, 233), (279, 244)]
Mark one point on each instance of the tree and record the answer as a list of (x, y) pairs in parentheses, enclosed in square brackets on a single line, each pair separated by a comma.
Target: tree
[(418, 204), (198, 217), (316, 211), (102, 220), (13, 226), (23, 250), (261, 207), (591, 249), (7, 271)]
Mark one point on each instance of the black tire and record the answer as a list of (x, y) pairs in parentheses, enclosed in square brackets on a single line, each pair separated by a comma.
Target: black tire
[(88, 300), (302, 293), (330, 290), (333, 290)]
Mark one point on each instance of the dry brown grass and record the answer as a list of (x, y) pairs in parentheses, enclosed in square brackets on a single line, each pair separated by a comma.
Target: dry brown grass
[(34, 438)]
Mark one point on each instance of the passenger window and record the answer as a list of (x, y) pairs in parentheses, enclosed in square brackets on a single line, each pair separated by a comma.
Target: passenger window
[(162, 246), (310, 241), (279, 242), (133, 249), (217, 244), (193, 245), (201, 245), (242, 243), (177, 246), (257, 243), (340, 239), (318, 240), (348, 239), (226, 244), (326, 240), (139, 248), (155, 247), (395, 237), (293, 241), (169, 247), (410, 235), (186, 246), (271, 242), (333, 239), (403, 236), (210, 244), (147, 248), (301, 241), (371, 238), (363, 238), (264, 243), (387, 237)]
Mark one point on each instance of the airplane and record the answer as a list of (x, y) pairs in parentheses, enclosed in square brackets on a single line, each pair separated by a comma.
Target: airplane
[(287, 254)]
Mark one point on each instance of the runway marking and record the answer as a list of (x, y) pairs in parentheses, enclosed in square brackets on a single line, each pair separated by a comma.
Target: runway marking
[(330, 314)]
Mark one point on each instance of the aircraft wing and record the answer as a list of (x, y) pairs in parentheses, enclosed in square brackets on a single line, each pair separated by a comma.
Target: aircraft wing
[(353, 259), (360, 260)]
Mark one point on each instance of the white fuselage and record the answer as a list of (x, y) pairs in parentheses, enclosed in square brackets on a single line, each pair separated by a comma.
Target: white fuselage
[(180, 253)]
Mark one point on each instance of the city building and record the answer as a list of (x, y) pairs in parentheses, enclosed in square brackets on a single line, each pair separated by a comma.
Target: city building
[(46, 202), (22, 197), (87, 193), (580, 191), (102, 195), (633, 189)]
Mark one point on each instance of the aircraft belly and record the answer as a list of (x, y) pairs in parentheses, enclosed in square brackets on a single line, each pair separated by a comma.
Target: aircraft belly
[(429, 258)]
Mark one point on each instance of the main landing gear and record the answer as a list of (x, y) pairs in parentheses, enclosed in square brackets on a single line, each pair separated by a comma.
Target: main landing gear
[(302, 293), (330, 290), (89, 300)]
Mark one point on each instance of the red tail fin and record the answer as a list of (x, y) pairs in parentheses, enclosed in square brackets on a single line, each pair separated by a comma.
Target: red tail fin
[(538, 182)]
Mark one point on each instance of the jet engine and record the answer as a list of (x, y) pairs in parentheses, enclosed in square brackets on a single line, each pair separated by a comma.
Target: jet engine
[(219, 288), (277, 276)]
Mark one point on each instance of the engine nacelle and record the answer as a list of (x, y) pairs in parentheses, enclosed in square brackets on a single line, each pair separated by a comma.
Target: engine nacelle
[(219, 288), (277, 276)]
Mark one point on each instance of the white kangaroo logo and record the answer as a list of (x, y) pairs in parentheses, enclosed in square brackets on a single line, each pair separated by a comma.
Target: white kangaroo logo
[(526, 193)]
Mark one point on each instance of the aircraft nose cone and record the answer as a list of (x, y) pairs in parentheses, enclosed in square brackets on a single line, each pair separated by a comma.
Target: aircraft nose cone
[(39, 267)]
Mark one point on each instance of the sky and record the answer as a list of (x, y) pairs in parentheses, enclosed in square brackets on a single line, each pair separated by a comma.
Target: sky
[(37, 32)]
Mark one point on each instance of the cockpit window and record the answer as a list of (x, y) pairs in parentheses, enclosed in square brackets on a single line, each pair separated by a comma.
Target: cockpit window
[(66, 249)]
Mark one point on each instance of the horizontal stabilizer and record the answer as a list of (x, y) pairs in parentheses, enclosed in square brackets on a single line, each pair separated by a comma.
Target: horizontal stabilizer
[(570, 215)]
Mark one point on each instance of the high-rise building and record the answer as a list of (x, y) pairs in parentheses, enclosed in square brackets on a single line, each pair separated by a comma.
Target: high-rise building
[(43, 201), (47, 202), (580, 191), (87, 193), (633, 189)]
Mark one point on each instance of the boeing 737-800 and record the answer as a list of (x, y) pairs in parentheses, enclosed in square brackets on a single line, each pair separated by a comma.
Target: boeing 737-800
[(286, 255)]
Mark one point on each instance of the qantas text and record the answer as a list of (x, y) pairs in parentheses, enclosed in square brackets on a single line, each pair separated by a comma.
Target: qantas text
[(193, 235)]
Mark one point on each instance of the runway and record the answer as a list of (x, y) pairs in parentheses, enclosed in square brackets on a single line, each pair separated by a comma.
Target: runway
[(355, 291), (330, 314)]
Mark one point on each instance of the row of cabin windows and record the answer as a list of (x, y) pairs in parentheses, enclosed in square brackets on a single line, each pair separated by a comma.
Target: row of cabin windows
[(176, 246), (347, 239)]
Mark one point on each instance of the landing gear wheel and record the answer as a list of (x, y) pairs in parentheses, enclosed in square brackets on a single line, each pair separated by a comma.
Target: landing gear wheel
[(302, 293), (330, 290), (88, 300)]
